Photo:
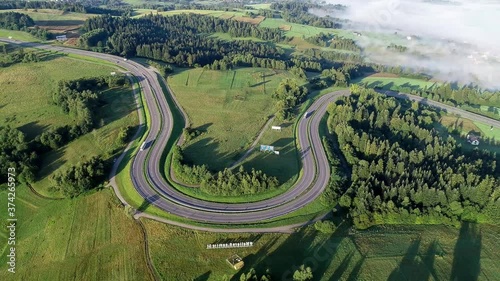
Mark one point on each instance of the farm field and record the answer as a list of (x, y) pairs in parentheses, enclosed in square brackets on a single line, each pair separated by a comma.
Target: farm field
[(55, 20), (387, 82), (235, 15), (236, 104), (299, 30), (381, 253), (263, 6), (86, 238), (30, 85)]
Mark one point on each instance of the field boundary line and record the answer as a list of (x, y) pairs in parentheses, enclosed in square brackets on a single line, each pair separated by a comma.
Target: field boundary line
[(147, 252)]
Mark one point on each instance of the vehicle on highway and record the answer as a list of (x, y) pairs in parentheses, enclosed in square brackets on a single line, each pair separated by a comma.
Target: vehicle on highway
[(143, 146), (306, 115)]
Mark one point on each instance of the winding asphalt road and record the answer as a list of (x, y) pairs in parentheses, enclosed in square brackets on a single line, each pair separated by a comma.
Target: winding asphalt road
[(150, 184)]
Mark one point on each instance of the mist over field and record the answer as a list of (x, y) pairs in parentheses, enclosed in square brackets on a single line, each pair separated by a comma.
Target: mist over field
[(455, 41)]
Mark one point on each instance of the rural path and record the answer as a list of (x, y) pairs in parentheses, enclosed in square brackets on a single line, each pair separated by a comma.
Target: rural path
[(252, 147), (146, 172)]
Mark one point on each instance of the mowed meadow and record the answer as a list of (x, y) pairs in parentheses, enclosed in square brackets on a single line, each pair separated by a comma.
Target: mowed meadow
[(229, 108), (392, 253), (86, 238), (26, 103)]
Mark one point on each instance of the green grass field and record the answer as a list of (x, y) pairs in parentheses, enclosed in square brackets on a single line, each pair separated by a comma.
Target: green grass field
[(87, 238), (264, 6), (228, 107), (299, 30), (215, 13), (42, 16), (18, 35), (488, 132), (383, 253), (27, 105)]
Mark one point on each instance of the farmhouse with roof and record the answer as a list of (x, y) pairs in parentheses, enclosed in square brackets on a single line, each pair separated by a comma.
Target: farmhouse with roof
[(473, 139)]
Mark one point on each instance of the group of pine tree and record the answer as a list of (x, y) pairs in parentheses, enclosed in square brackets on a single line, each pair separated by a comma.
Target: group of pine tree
[(404, 169)]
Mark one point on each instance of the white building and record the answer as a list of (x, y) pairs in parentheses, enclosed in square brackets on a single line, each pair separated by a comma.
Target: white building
[(61, 38)]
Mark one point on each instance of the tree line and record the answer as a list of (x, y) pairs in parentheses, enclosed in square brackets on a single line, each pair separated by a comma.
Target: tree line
[(303, 273), (298, 12), (226, 182), (19, 56), (15, 153), (403, 170)]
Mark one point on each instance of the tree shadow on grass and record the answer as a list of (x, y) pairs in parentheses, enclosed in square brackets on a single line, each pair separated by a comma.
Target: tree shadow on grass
[(467, 254), (272, 164), (48, 55), (409, 268), (204, 277), (353, 276), (51, 163), (203, 152), (32, 129), (300, 248)]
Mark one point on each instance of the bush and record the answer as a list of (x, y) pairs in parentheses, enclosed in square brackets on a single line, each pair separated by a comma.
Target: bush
[(326, 227)]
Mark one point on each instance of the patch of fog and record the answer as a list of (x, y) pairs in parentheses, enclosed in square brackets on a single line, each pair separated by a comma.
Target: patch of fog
[(453, 40)]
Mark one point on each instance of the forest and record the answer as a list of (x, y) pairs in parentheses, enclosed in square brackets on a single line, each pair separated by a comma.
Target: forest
[(181, 39), (185, 40), (403, 170)]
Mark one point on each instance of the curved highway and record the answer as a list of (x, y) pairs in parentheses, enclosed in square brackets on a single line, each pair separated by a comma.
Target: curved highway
[(150, 184)]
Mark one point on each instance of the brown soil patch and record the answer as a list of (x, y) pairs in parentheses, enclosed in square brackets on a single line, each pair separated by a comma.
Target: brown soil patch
[(59, 28), (71, 42), (463, 125), (255, 21), (286, 27)]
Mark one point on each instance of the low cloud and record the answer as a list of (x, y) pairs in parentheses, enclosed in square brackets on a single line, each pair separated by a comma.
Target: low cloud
[(456, 41)]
